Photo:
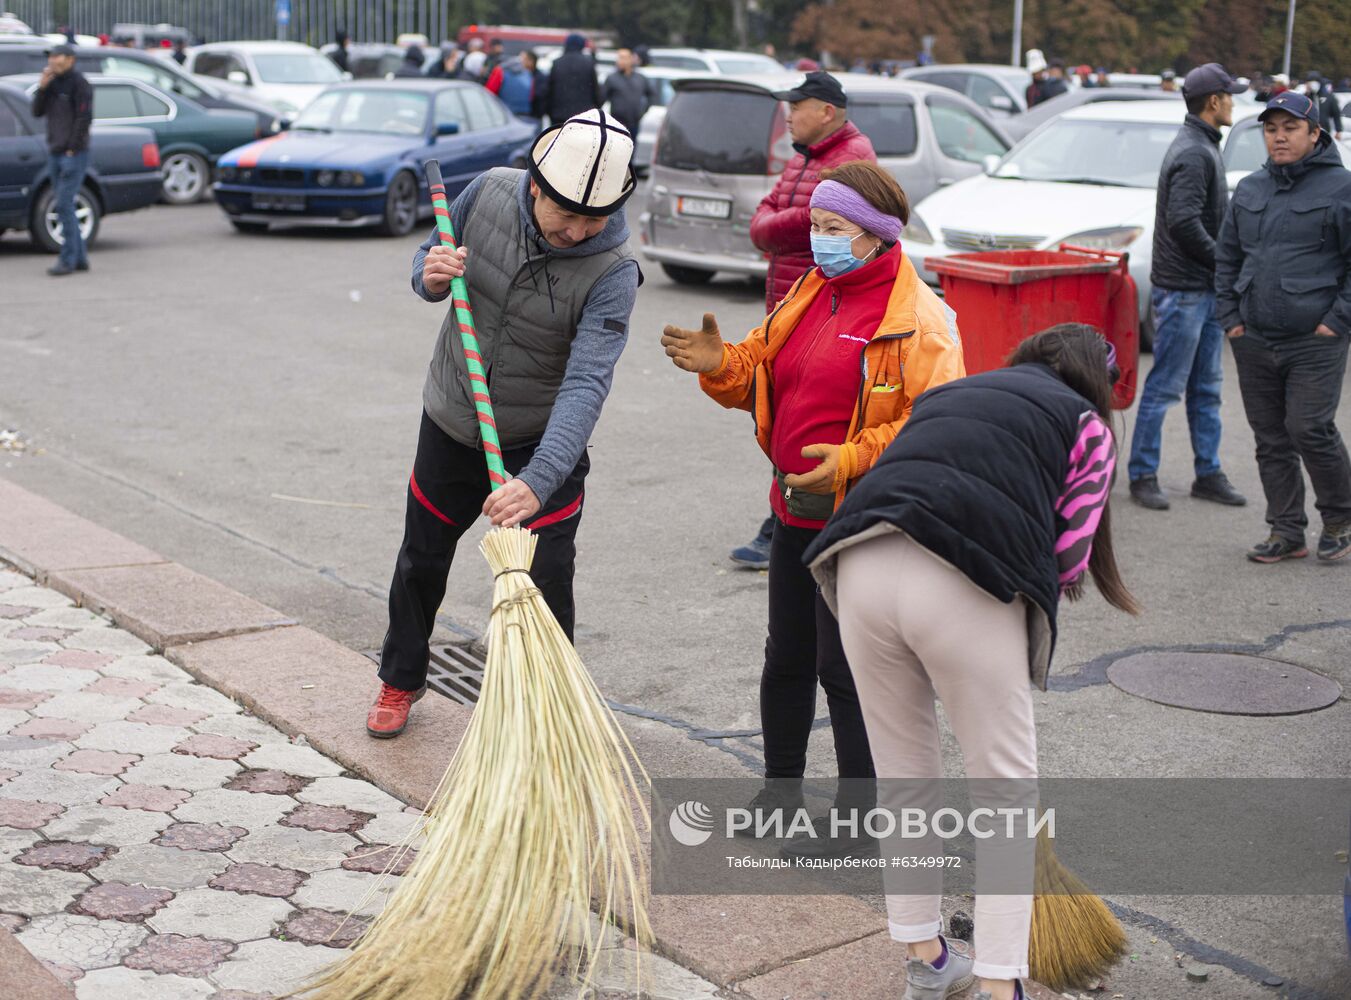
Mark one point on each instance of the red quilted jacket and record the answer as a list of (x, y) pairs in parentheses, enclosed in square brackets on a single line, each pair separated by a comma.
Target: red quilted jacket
[(783, 219)]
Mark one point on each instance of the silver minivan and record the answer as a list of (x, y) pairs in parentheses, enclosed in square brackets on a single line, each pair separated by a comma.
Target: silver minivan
[(725, 140)]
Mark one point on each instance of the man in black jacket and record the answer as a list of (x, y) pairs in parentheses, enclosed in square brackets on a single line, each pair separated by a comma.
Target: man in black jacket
[(1188, 342), (1284, 298), (628, 91), (573, 87), (65, 98)]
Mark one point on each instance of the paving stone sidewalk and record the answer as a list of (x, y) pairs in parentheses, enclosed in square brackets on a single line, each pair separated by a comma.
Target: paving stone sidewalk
[(159, 843)]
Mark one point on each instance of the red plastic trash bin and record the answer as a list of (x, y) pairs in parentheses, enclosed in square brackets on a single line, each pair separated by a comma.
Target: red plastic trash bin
[(1001, 297)]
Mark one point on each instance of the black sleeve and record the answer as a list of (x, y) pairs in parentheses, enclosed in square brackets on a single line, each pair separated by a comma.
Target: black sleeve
[(40, 101), (1228, 264), (84, 113), (1187, 182)]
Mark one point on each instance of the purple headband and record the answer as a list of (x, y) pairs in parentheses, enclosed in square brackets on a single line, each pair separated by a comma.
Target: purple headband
[(832, 196)]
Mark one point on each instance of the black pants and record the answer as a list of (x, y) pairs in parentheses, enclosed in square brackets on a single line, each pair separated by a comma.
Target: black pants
[(1290, 393), (445, 496), (804, 647)]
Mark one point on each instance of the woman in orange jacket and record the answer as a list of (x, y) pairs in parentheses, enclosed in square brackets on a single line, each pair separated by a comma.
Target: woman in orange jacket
[(830, 378)]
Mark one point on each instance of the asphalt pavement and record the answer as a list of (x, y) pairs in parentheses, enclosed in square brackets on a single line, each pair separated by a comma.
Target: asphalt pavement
[(248, 406)]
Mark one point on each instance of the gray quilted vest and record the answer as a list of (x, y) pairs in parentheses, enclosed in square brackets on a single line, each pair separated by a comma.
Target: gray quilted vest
[(524, 333)]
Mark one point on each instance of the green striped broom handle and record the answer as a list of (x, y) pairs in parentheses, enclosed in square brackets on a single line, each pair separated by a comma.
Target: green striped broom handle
[(464, 318)]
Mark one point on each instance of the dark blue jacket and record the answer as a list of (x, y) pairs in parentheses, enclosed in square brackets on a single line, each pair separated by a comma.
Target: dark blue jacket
[(1283, 265), (1189, 209)]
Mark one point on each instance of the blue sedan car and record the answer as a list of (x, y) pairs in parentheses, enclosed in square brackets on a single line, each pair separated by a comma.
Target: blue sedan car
[(355, 156)]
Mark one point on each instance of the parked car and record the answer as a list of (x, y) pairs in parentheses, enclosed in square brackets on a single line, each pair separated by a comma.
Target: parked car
[(11, 25), (725, 140), (371, 60), (516, 39), (149, 36), (355, 156), (287, 75), (190, 137), (124, 174), (163, 74), (724, 62), (1031, 120), (1000, 90), (1088, 177)]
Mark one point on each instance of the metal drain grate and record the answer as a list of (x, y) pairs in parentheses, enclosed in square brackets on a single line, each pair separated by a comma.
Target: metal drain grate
[(453, 671)]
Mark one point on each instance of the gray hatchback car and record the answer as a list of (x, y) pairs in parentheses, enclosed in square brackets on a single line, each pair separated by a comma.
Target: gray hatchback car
[(725, 141)]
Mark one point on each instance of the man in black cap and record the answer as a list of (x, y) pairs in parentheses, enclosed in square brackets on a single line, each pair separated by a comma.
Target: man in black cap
[(1188, 342), (65, 98), (823, 137), (1284, 298), (1319, 90)]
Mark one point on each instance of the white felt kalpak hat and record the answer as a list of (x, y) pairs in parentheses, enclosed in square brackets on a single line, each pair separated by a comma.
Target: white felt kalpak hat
[(583, 164)]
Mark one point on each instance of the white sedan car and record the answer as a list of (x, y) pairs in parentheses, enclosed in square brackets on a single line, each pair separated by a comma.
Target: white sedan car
[(287, 75), (1087, 178)]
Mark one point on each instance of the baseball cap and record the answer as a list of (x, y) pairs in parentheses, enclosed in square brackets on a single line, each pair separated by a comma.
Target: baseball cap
[(818, 84), (63, 49), (1212, 78), (1294, 103)]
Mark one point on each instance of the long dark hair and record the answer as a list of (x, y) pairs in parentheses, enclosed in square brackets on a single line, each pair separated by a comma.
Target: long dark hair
[(1079, 355)]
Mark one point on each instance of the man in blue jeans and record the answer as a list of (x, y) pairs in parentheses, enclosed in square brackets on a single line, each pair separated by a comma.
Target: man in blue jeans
[(1192, 199), (65, 98)]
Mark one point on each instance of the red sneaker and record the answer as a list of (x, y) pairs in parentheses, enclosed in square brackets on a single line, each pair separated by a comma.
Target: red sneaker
[(389, 715)]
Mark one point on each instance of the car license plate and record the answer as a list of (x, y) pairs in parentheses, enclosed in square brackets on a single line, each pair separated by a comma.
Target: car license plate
[(704, 208), (279, 202)]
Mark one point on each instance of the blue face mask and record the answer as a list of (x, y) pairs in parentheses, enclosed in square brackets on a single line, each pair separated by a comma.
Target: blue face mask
[(835, 254)]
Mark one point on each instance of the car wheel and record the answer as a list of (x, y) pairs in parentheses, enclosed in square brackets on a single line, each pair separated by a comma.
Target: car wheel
[(249, 227), (45, 227), (687, 275), (187, 177), (400, 206)]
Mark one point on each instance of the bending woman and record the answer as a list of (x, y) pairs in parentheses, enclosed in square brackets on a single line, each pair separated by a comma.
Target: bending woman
[(946, 566), (830, 377)]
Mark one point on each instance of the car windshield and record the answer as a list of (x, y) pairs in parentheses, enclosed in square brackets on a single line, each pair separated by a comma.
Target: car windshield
[(164, 79), (395, 112), (1118, 154), (1245, 150), (304, 67)]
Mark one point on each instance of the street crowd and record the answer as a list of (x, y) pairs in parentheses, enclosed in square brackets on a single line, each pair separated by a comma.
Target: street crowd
[(903, 493)]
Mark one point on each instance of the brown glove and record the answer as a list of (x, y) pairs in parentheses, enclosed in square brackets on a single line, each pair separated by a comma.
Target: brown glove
[(822, 478), (694, 350)]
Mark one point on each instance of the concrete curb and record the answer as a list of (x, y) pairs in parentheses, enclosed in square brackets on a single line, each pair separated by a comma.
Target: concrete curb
[(25, 976), (308, 685)]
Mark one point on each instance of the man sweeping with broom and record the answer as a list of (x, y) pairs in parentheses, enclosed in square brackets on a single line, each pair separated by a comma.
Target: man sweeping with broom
[(552, 285)]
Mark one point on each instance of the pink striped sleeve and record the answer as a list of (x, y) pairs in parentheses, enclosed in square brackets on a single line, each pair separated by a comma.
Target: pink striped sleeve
[(1089, 480)]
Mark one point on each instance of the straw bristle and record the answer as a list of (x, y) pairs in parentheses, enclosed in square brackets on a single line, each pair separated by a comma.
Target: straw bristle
[(1075, 938), (534, 820)]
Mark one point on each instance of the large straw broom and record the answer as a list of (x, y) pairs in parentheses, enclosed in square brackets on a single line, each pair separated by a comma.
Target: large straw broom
[(536, 817), (1075, 938)]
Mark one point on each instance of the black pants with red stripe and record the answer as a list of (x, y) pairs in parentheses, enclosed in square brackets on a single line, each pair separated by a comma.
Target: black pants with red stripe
[(445, 496)]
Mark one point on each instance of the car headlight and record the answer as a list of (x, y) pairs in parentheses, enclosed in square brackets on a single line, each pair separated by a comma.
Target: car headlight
[(286, 108), (226, 174), (351, 178), (1115, 238), (916, 231), (324, 178), (276, 126)]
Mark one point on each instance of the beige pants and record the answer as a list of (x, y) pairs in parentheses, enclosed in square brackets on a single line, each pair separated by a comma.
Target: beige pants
[(915, 627)]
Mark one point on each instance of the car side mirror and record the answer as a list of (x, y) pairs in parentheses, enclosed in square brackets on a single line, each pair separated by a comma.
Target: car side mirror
[(447, 128), (990, 163), (238, 76), (1001, 103)]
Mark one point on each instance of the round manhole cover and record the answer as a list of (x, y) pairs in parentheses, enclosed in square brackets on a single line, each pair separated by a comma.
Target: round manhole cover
[(1227, 683)]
